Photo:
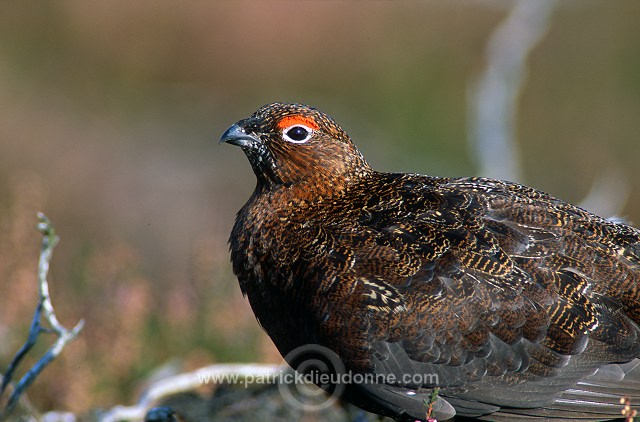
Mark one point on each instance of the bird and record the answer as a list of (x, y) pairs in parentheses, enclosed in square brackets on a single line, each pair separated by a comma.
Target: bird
[(520, 305)]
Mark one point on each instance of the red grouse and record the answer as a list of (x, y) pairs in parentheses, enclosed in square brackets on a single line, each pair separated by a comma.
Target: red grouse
[(521, 305)]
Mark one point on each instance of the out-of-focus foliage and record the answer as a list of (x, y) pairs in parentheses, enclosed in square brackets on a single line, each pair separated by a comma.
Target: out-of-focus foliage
[(110, 115)]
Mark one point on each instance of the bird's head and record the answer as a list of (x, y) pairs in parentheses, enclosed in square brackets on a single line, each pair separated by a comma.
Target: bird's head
[(294, 144)]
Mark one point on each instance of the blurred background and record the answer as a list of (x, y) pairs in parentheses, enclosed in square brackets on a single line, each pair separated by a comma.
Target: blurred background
[(110, 115)]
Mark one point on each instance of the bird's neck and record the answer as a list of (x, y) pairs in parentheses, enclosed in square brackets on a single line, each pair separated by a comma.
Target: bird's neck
[(312, 190)]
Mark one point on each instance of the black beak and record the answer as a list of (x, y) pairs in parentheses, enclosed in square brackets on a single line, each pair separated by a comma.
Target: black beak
[(236, 135)]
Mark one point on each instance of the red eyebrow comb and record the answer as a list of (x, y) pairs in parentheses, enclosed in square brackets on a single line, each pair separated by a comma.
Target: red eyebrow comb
[(289, 121)]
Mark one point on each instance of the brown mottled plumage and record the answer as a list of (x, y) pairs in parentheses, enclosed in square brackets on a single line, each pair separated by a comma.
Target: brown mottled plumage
[(522, 304)]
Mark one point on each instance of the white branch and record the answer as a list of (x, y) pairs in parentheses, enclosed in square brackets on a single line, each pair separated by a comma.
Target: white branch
[(608, 194), (494, 102), (187, 382)]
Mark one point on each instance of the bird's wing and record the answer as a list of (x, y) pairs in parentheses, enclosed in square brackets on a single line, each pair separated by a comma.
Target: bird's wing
[(494, 292)]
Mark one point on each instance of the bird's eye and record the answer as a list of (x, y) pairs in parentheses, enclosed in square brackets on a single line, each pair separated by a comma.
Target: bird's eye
[(297, 134)]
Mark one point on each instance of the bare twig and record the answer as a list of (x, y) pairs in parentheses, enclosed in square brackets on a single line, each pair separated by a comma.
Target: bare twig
[(34, 331), (44, 308)]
